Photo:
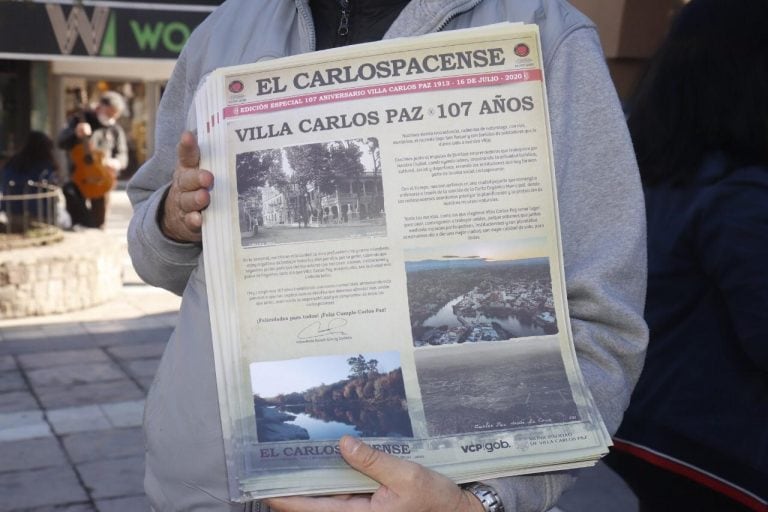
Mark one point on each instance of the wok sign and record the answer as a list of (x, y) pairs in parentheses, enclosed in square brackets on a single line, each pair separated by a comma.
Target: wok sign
[(96, 29)]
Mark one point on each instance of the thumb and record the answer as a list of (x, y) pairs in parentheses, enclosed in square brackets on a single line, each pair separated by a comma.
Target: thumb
[(384, 468), (188, 151)]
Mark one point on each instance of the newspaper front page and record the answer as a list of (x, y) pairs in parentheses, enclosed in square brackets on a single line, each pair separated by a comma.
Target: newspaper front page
[(383, 259)]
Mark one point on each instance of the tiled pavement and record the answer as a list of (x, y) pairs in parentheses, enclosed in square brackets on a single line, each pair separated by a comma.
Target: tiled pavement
[(72, 391), (71, 403)]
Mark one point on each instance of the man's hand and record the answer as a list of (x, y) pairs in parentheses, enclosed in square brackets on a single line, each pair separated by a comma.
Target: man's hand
[(83, 130), (405, 487), (181, 218), (113, 164)]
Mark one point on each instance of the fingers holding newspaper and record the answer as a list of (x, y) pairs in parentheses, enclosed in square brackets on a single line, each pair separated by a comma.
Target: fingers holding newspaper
[(405, 487), (188, 195)]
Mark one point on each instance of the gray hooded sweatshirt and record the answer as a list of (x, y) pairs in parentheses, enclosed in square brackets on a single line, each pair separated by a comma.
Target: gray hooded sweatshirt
[(600, 205)]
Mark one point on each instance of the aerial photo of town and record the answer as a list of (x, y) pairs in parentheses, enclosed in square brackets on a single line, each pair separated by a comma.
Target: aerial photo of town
[(474, 388), (484, 291)]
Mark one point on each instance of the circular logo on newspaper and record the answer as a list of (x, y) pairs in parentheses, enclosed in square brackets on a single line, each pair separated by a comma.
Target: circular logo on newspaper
[(522, 50), (236, 86)]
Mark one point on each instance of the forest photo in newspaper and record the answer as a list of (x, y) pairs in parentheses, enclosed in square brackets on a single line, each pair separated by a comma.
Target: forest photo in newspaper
[(323, 398)]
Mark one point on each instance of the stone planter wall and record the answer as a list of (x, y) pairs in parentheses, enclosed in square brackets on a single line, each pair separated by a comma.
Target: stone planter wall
[(83, 270)]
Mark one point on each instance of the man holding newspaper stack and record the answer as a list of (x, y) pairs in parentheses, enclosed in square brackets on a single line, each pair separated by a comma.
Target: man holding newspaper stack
[(603, 230)]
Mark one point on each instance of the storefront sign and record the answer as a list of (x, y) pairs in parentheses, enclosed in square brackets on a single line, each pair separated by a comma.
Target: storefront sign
[(150, 30)]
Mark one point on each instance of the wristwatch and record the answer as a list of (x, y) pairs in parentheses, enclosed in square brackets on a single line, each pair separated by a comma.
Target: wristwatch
[(487, 495)]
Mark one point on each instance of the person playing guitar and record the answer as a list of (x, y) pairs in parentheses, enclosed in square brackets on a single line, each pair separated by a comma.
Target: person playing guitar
[(98, 151)]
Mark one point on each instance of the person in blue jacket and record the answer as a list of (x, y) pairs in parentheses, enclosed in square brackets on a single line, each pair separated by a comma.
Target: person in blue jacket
[(33, 163), (695, 436)]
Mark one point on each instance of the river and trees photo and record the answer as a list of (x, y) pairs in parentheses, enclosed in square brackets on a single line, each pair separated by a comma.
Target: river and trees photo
[(323, 398)]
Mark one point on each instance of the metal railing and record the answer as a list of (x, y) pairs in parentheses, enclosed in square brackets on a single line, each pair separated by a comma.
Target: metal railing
[(32, 213)]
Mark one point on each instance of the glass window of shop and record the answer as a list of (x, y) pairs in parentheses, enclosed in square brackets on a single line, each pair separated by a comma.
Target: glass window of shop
[(140, 99), (14, 106)]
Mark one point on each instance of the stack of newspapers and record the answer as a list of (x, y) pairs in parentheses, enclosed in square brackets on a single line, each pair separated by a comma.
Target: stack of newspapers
[(383, 259)]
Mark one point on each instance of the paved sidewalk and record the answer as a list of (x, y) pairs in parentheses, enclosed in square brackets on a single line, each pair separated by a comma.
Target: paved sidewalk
[(72, 391)]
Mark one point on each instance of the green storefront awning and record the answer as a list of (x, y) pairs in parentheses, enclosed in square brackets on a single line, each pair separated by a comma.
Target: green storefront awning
[(39, 29)]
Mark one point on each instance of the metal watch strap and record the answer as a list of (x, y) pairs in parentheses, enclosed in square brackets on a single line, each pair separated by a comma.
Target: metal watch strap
[(487, 495)]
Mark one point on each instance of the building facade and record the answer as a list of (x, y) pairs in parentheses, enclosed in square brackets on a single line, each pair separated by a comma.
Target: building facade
[(57, 57)]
